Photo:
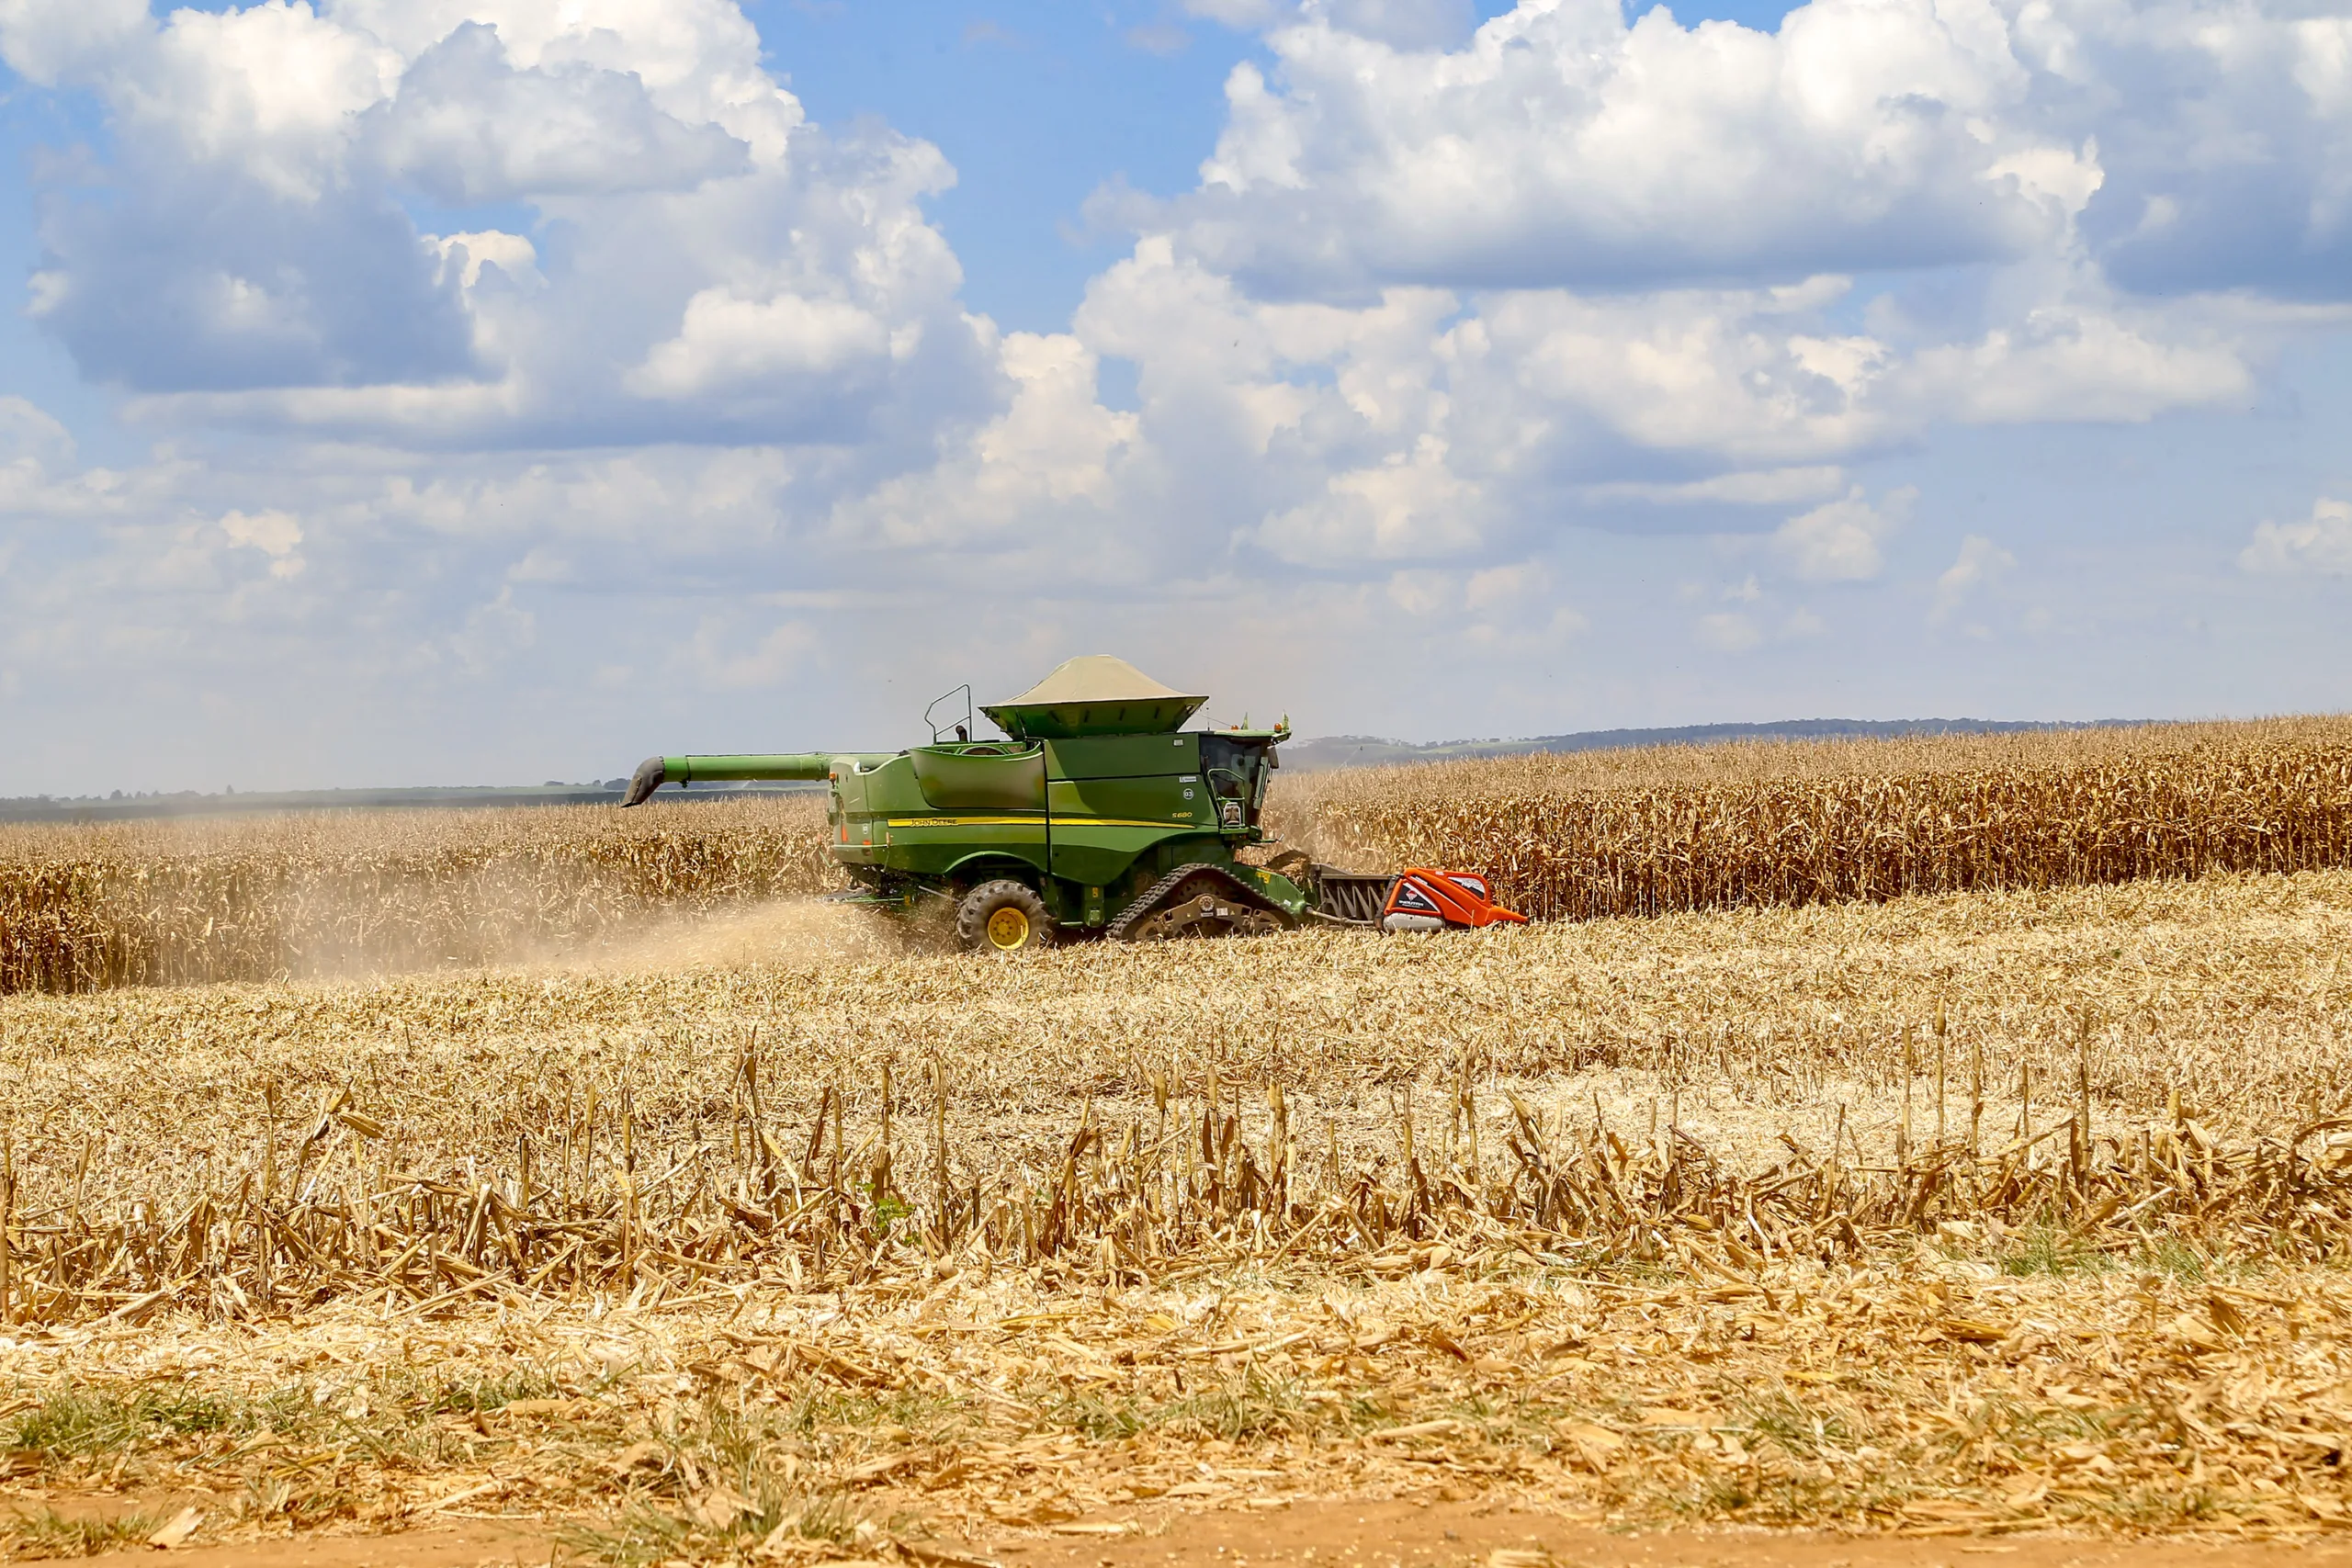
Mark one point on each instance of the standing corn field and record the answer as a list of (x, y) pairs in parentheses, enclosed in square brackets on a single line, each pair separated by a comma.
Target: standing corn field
[(1638, 832), (1680, 828)]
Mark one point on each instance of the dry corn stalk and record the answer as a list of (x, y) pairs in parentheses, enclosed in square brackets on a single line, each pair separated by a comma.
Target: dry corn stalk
[(1140, 1204), (1682, 828)]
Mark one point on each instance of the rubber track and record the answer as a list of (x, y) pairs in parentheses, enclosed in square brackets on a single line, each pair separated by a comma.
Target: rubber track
[(1149, 898)]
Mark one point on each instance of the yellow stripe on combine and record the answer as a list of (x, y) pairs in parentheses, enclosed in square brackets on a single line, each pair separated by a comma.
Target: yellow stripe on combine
[(1059, 822)]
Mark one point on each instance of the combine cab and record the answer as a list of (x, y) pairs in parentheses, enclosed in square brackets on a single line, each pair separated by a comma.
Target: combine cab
[(1098, 815)]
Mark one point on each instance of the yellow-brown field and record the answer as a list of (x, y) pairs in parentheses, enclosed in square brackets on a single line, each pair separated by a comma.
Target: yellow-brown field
[(2153, 1343), (337, 894), (1633, 832), (1673, 828), (759, 1234)]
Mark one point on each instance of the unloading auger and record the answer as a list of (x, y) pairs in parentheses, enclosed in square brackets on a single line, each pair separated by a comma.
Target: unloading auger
[(1097, 816)]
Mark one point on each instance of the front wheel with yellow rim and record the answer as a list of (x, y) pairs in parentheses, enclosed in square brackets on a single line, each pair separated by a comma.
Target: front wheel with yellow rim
[(1003, 916)]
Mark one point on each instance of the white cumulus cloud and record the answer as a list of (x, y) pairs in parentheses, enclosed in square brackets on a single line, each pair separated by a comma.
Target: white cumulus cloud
[(2321, 543), (1980, 563), (1561, 145), (1839, 541), (1460, 326), (1730, 631), (274, 533), (250, 257), (729, 341), (467, 127)]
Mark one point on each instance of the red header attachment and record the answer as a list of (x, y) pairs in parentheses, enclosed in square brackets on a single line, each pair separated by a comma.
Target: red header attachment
[(1424, 900)]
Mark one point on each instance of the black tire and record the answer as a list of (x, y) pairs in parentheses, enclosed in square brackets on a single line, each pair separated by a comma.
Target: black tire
[(1251, 921), (1193, 888), (985, 921), (1152, 914)]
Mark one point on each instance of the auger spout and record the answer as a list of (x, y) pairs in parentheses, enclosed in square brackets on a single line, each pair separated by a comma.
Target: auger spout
[(655, 772)]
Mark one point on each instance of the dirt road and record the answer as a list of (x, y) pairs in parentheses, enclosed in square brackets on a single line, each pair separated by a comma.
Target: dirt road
[(1342, 1534)]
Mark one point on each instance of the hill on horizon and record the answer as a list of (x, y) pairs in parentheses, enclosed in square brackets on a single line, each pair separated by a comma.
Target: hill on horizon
[(1311, 756)]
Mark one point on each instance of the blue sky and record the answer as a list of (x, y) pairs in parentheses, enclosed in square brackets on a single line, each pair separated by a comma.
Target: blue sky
[(469, 390), (1038, 106)]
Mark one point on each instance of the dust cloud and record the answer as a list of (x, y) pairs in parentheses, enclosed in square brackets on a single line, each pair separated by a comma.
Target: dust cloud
[(781, 931)]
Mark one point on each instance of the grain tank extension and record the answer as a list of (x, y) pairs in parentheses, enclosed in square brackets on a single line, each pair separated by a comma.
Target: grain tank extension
[(1097, 816)]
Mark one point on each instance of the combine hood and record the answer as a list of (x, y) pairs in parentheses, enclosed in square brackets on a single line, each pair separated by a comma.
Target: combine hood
[(1093, 695)]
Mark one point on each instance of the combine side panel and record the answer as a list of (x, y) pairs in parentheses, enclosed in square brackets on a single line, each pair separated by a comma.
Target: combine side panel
[(1123, 756), (1117, 798), (964, 779), (888, 823)]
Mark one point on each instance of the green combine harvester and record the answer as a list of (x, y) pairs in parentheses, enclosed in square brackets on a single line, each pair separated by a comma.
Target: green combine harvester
[(1098, 815)]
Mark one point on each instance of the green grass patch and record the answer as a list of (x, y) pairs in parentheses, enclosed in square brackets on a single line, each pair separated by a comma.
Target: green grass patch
[(1801, 1430), (2047, 1249), (739, 1496), (451, 1397), (84, 1423), (649, 1533), (2174, 1258), (48, 1533), (818, 1407), (1244, 1407)]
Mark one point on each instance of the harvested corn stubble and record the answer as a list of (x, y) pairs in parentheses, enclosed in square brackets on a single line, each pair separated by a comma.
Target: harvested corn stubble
[(949, 1407), (1992, 1210), (1738, 1087)]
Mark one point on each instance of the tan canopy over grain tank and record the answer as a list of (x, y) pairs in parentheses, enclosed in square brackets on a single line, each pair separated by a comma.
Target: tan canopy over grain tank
[(1094, 693)]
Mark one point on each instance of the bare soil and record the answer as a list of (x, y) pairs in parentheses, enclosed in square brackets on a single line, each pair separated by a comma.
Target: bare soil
[(1344, 1534), (1338, 1533)]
